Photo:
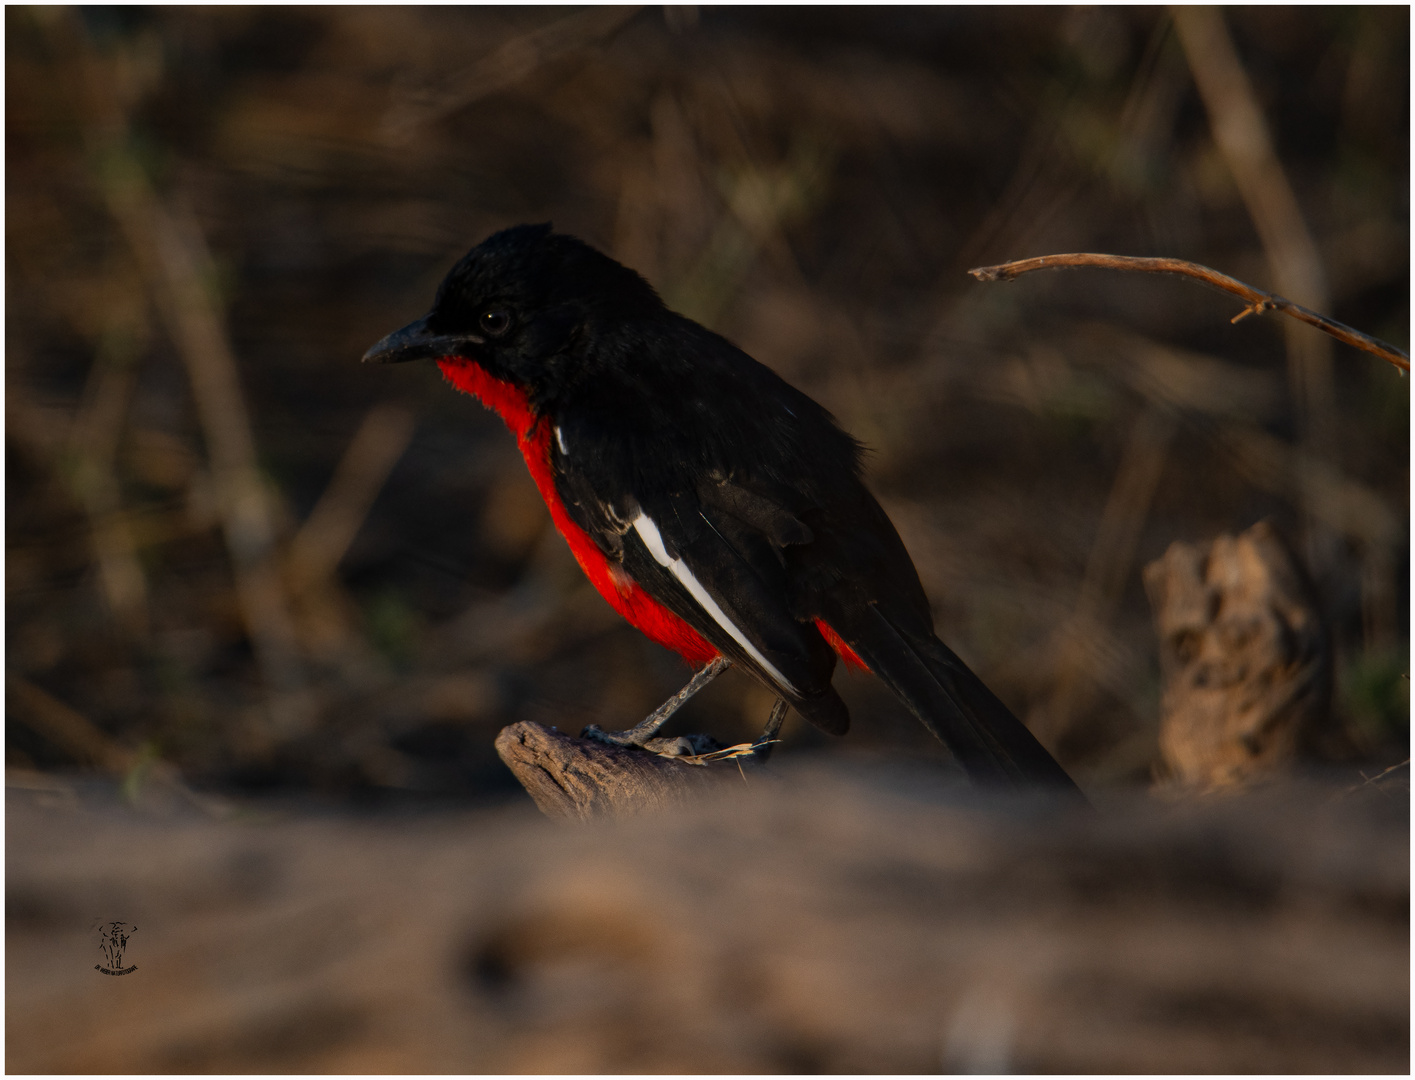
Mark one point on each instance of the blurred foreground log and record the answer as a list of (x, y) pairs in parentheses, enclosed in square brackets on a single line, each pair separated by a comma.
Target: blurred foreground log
[(579, 779), (834, 920), (1244, 656)]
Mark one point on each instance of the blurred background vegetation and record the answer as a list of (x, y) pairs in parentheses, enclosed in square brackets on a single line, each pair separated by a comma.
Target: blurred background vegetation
[(236, 555)]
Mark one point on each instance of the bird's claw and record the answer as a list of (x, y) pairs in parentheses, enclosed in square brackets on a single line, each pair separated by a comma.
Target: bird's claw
[(678, 746), (610, 738), (684, 746)]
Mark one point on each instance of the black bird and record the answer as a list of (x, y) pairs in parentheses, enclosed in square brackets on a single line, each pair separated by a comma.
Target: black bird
[(716, 507)]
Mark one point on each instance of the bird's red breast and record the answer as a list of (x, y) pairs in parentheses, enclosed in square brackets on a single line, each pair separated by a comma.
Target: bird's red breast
[(533, 436)]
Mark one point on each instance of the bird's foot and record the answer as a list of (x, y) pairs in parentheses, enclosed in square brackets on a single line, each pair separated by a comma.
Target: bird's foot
[(684, 746), (761, 749), (680, 746), (613, 738), (641, 735)]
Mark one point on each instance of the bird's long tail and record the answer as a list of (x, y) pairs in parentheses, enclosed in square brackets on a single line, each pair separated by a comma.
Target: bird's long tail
[(991, 744)]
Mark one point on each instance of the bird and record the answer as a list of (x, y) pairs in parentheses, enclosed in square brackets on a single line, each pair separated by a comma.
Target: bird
[(717, 508)]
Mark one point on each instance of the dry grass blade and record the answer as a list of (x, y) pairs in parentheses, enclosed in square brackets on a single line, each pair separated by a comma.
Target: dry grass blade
[(727, 753), (1374, 780), (1258, 300)]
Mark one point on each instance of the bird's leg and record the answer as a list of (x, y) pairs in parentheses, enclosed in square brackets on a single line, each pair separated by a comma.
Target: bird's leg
[(642, 732), (773, 728)]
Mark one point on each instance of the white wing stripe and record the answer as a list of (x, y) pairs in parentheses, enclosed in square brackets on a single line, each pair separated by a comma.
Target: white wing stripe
[(649, 534), (653, 540)]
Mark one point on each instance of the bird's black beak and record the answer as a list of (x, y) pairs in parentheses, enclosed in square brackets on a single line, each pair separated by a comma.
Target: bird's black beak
[(416, 342)]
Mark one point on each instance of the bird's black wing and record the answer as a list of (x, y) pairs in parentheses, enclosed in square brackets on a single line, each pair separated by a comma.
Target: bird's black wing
[(717, 564)]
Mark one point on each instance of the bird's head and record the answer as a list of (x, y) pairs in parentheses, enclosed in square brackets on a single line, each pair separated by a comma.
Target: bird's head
[(517, 303)]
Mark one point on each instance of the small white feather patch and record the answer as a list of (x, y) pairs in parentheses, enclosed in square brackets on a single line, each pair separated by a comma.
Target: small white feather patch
[(560, 441), (649, 534), (653, 540)]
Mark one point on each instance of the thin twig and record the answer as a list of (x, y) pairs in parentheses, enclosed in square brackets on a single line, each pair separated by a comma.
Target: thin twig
[(1243, 137), (513, 61), (93, 445), (1257, 300), (316, 549), (1385, 772), (1079, 640)]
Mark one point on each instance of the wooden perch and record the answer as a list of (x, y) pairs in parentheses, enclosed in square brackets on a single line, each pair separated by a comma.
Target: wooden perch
[(1258, 301), (578, 779)]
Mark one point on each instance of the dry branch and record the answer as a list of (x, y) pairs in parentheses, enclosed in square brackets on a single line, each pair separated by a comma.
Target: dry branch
[(1257, 300), (67, 728), (177, 273), (579, 779)]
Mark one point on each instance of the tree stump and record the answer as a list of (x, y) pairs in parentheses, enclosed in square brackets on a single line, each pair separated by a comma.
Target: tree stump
[(1243, 654), (578, 779)]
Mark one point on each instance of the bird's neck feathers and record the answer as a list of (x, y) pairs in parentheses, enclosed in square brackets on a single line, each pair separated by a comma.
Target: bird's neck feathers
[(506, 399)]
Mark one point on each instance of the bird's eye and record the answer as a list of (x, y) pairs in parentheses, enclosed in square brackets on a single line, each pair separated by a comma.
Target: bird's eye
[(496, 322)]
